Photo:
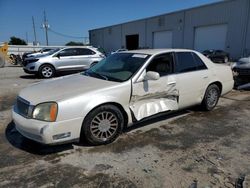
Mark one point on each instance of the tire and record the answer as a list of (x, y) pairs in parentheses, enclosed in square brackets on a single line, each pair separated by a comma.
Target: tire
[(93, 64), (46, 71), (102, 125), (211, 97)]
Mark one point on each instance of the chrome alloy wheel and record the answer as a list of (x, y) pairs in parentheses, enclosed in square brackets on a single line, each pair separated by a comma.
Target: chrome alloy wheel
[(47, 72), (212, 97), (104, 125)]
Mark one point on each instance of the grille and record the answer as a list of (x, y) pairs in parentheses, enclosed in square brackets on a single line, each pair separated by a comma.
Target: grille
[(23, 107), (243, 71)]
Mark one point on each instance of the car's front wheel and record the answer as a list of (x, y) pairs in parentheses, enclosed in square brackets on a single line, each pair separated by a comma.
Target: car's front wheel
[(102, 125), (46, 71), (211, 97)]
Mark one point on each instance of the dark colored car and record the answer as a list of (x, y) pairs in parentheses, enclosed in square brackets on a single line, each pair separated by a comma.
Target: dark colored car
[(217, 55), (241, 70)]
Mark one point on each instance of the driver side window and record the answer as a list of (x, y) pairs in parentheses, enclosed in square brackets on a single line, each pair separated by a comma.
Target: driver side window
[(163, 64)]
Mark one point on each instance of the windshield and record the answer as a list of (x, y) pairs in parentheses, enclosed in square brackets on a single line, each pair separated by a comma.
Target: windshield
[(53, 51), (118, 67)]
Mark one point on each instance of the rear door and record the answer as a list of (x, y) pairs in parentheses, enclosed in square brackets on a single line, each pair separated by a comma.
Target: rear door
[(85, 57), (150, 97), (192, 78)]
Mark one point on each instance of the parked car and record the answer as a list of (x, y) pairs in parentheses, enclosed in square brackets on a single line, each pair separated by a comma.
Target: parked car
[(66, 59), (43, 51), (123, 88), (242, 68), (217, 55), (119, 50)]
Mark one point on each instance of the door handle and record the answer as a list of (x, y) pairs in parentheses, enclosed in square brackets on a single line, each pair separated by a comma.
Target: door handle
[(205, 77), (171, 83)]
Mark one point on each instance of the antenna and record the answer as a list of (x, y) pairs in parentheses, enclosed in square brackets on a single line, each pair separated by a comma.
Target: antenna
[(34, 29), (46, 27)]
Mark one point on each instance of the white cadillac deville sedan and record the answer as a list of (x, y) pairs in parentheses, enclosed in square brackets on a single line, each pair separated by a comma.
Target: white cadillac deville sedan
[(122, 89)]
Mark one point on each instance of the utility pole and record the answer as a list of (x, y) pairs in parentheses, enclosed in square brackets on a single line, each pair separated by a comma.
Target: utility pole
[(46, 27), (27, 39), (34, 29)]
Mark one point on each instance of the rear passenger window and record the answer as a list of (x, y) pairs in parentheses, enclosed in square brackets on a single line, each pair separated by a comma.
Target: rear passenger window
[(187, 61), (85, 51), (200, 64)]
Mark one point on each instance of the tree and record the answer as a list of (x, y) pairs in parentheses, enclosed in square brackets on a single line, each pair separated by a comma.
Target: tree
[(16, 41), (72, 43)]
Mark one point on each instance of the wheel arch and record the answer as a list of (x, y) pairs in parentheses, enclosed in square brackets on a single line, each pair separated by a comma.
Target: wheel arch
[(218, 83), (119, 106), (46, 64)]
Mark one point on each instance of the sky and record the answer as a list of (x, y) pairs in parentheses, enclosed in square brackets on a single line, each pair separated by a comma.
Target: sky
[(76, 17)]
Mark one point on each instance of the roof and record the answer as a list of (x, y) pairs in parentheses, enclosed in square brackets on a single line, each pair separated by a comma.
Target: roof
[(157, 51)]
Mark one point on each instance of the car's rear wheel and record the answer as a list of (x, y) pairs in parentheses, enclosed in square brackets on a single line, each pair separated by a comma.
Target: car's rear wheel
[(211, 97), (102, 125), (46, 71)]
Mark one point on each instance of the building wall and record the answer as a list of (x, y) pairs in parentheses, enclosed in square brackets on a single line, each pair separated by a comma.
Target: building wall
[(234, 13), (247, 38), (136, 27), (171, 22)]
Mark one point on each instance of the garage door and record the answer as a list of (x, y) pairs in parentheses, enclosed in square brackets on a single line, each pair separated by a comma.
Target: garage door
[(210, 37), (162, 39)]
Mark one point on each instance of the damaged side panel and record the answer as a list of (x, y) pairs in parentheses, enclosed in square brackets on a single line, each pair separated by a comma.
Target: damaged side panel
[(152, 97)]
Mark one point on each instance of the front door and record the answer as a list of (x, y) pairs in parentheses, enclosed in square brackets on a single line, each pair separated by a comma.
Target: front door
[(150, 97), (67, 59)]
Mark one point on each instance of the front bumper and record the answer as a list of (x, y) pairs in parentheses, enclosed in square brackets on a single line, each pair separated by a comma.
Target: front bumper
[(242, 72), (48, 132), (28, 71)]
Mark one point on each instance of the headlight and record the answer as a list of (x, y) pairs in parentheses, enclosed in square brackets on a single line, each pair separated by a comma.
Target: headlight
[(45, 111)]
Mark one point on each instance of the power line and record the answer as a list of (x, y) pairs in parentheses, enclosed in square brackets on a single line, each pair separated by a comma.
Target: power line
[(64, 35)]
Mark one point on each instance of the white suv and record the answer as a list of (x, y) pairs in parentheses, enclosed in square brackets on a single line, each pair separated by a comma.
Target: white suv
[(66, 59)]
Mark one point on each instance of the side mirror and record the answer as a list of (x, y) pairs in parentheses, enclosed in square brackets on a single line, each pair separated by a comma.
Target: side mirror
[(58, 55), (151, 75)]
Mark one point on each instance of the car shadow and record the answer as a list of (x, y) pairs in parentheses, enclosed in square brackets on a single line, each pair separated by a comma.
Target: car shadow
[(22, 143), (25, 144), (29, 77)]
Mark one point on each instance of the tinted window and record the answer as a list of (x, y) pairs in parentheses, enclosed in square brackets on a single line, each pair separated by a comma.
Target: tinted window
[(163, 64), (68, 52), (200, 64), (85, 51), (188, 61)]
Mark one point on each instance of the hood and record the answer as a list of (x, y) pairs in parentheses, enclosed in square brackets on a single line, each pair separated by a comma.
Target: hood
[(36, 56), (245, 60), (62, 88), (243, 63)]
